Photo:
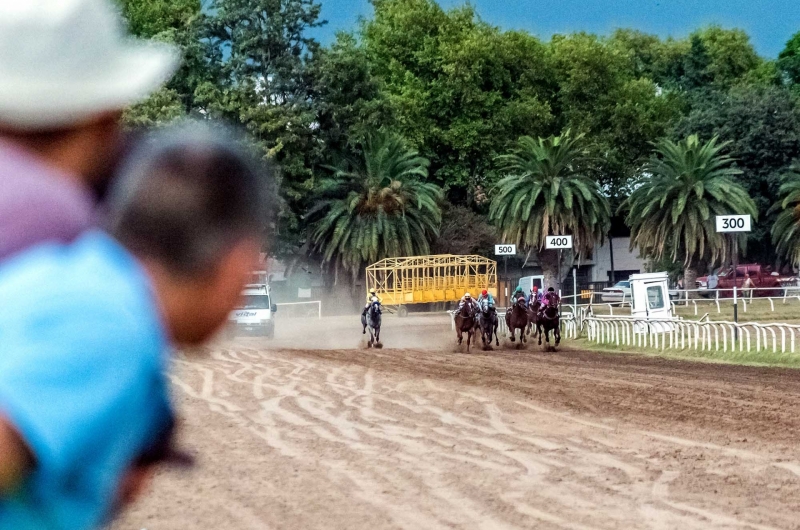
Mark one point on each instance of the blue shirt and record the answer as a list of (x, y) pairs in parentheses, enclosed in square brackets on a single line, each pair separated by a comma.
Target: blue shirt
[(82, 377)]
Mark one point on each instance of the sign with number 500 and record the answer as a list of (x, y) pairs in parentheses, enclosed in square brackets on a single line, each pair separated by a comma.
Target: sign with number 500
[(505, 250), (558, 242), (733, 223)]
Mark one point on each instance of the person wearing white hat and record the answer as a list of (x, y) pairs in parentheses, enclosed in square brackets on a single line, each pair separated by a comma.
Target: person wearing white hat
[(67, 71)]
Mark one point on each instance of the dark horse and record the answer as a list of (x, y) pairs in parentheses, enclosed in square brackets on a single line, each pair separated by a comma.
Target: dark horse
[(466, 321), (517, 319), (488, 325), (549, 320), (372, 320), (533, 317)]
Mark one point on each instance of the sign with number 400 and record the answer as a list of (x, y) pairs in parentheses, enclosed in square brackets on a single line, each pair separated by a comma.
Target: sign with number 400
[(558, 242), (733, 223)]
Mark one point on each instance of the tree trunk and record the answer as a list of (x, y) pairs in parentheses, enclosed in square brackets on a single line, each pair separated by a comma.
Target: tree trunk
[(690, 280), (548, 260)]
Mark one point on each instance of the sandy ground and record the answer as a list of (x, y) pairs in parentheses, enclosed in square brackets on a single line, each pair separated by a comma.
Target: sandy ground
[(312, 431)]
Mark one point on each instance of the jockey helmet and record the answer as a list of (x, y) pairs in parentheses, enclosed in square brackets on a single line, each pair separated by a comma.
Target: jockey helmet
[(535, 288), (551, 290), (467, 296), (484, 292), (372, 291)]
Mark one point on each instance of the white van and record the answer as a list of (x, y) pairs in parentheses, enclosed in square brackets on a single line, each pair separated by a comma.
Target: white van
[(255, 315)]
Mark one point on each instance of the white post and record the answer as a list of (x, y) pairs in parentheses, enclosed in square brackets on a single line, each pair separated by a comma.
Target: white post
[(574, 289)]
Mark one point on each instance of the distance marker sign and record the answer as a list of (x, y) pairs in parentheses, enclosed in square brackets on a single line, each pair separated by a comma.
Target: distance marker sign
[(558, 242), (505, 250), (733, 223)]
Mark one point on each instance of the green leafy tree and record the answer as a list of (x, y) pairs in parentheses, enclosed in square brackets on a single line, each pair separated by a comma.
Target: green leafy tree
[(549, 190), (256, 54), (175, 22), (464, 231), (349, 98), (671, 213), (789, 60), (378, 206), (460, 89), (601, 95), (762, 127), (786, 230)]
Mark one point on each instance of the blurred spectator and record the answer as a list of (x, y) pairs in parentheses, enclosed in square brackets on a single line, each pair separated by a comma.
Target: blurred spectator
[(66, 72), (747, 287), (713, 280), (84, 408)]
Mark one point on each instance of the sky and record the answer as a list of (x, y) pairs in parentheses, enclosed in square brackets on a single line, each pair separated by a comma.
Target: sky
[(770, 23)]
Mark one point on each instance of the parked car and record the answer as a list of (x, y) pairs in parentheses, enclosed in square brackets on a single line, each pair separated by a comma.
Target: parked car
[(617, 293), (763, 281)]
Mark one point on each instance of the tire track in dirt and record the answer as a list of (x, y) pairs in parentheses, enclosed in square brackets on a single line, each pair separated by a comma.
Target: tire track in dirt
[(427, 439)]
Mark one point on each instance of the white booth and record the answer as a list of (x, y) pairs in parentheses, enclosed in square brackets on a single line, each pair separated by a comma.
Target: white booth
[(528, 282), (650, 302)]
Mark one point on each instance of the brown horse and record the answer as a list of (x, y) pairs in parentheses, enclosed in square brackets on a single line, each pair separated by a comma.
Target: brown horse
[(549, 320), (517, 319), (466, 320), (533, 317)]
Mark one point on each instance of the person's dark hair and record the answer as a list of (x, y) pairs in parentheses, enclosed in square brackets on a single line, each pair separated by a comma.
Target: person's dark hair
[(185, 196)]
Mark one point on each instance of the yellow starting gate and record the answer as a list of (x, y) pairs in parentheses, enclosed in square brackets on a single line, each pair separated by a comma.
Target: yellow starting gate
[(424, 279)]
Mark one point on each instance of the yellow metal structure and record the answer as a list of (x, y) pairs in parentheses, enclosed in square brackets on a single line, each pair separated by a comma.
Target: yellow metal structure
[(424, 279)]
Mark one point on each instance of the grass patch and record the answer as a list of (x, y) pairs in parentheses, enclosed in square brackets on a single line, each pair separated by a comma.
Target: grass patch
[(745, 358)]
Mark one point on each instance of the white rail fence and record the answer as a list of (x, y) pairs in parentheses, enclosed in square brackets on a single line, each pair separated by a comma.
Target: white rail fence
[(720, 298), (678, 334), (569, 325)]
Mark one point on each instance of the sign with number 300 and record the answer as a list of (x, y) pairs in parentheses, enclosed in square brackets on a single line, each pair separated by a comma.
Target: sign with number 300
[(733, 223)]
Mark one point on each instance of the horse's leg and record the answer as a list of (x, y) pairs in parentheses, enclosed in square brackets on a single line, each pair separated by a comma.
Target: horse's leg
[(539, 332), (557, 333), (460, 335), (522, 332), (495, 336)]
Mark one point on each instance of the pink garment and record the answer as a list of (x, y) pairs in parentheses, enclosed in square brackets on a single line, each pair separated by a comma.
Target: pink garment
[(38, 203)]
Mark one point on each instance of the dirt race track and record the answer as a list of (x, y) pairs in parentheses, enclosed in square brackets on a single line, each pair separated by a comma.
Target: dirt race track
[(312, 431)]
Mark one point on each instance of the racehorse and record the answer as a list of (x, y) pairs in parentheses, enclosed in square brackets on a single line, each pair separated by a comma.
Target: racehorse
[(517, 319), (372, 320), (488, 324), (533, 317), (466, 321), (549, 320)]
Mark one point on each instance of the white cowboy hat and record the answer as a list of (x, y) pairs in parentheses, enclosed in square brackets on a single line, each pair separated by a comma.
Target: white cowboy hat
[(65, 61)]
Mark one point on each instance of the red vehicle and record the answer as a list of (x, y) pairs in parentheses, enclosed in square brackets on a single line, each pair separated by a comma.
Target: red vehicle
[(761, 277)]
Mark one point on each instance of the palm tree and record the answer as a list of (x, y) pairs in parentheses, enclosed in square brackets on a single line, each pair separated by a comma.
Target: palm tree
[(548, 191), (671, 213), (786, 230), (376, 207)]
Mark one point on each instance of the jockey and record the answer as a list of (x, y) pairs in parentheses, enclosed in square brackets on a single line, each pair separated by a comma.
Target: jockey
[(485, 300), (550, 299), (518, 293), (467, 299), (536, 296), (371, 296)]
